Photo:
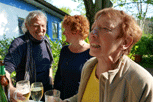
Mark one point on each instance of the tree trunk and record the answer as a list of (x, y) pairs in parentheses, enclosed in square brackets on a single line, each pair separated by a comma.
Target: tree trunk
[(92, 9)]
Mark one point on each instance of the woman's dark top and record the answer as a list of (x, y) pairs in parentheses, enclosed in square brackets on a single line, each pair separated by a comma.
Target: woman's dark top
[(15, 60), (68, 74)]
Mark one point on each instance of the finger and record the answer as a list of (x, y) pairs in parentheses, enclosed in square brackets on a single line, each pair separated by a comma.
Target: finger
[(12, 93), (20, 96), (12, 100), (15, 95)]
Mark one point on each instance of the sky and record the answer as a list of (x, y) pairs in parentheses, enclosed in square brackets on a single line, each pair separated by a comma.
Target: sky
[(73, 5), (65, 3), (132, 9)]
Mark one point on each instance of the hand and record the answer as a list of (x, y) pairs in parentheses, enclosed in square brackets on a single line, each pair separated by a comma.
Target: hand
[(12, 100), (18, 96), (12, 90), (13, 94)]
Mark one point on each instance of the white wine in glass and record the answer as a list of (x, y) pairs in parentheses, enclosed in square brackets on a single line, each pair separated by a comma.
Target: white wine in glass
[(37, 91)]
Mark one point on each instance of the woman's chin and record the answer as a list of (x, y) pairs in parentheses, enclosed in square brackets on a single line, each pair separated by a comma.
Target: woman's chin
[(93, 53)]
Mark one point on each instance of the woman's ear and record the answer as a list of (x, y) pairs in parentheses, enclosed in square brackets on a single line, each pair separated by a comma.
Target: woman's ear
[(127, 42)]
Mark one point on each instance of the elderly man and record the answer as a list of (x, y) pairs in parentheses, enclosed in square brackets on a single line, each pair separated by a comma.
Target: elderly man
[(30, 55)]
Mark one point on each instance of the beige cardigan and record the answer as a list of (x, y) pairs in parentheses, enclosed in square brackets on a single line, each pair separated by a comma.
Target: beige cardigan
[(129, 82)]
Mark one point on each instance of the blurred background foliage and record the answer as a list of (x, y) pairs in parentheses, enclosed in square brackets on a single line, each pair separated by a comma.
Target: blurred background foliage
[(56, 48), (4, 46)]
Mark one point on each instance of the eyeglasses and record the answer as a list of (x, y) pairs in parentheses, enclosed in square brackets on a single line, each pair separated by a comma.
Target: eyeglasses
[(96, 30)]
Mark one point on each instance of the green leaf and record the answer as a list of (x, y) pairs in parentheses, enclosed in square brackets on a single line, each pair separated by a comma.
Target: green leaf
[(13, 74), (4, 46)]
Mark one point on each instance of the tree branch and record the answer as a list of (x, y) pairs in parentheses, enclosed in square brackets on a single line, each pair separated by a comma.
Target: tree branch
[(88, 5), (146, 12), (128, 3)]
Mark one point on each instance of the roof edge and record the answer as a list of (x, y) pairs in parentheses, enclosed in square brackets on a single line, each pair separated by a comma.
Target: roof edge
[(48, 8)]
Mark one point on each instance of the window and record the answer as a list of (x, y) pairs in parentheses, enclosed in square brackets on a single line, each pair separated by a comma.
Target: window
[(20, 22), (55, 30)]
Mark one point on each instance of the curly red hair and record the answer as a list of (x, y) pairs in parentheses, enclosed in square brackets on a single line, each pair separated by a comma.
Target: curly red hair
[(77, 23)]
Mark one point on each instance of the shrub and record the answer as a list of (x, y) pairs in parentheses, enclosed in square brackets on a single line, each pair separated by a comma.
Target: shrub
[(144, 46), (56, 48), (150, 45), (4, 46)]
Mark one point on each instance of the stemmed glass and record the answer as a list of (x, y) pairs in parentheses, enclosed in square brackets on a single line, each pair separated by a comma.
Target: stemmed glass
[(37, 91), (23, 87)]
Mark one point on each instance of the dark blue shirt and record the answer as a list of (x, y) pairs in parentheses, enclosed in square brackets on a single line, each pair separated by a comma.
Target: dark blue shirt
[(68, 74), (15, 60)]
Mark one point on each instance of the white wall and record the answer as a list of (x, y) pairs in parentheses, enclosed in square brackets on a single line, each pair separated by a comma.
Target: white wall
[(9, 20)]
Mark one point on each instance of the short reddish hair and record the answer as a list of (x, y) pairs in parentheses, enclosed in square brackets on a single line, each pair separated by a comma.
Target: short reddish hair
[(129, 26), (77, 23)]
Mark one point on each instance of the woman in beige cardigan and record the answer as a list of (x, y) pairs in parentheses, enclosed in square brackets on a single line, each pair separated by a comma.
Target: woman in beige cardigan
[(111, 76)]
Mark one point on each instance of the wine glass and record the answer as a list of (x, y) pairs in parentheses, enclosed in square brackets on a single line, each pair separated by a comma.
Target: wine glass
[(52, 96), (37, 91), (23, 87)]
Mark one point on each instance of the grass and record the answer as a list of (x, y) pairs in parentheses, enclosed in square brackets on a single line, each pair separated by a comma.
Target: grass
[(147, 61)]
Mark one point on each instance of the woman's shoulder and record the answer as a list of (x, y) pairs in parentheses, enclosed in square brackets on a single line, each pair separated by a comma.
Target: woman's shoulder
[(90, 63), (139, 79), (137, 73), (65, 47), (89, 66)]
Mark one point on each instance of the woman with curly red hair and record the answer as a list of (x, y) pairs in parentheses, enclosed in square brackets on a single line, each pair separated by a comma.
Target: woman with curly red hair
[(72, 56)]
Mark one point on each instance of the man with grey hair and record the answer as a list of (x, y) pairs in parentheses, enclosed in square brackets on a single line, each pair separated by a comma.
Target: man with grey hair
[(30, 54)]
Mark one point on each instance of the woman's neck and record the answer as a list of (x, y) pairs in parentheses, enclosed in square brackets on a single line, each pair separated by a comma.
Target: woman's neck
[(104, 65), (77, 43), (78, 46)]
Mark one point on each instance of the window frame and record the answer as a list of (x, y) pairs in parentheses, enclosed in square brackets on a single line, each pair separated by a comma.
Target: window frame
[(53, 30), (20, 23)]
